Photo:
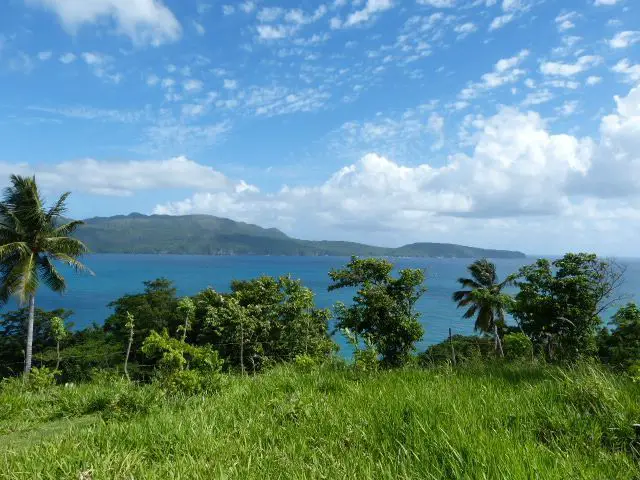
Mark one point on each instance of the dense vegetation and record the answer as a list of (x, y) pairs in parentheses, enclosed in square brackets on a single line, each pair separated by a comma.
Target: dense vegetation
[(208, 235), (247, 383)]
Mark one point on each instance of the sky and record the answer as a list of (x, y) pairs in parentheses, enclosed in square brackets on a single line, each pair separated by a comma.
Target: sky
[(494, 123)]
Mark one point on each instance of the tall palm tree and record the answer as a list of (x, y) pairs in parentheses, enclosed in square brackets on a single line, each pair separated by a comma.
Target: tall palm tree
[(32, 237), (484, 298)]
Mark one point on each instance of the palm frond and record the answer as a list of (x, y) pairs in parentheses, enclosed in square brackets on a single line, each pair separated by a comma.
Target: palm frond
[(469, 283), (51, 276), (72, 262), (59, 208), (14, 248), (471, 312), (66, 229), (484, 321), (65, 245), (460, 295)]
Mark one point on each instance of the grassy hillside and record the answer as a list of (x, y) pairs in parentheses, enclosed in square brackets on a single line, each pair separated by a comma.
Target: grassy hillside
[(475, 422), (208, 235)]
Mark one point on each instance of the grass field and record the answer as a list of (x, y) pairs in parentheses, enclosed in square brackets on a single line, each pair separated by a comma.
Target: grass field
[(474, 422)]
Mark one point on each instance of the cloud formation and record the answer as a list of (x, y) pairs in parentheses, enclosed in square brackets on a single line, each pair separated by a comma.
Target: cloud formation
[(143, 21)]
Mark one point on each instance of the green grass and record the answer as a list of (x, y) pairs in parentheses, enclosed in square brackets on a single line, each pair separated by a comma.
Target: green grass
[(475, 422)]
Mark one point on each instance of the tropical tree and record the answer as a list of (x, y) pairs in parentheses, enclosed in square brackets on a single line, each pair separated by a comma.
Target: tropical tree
[(186, 309), (383, 312), (484, 299), (32, 237), (59, 333), (559, 303)]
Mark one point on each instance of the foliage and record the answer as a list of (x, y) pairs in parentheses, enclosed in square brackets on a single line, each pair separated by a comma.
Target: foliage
[(32, 238), (58, 329), (384, 307), (500, 420), (467, 349), (40, 379), (621, 347), (265, 321), (13, 337), (365, 355), (517, 346), (181, 367), (187, 310), (560, 302), (154, 309), (484, 299)]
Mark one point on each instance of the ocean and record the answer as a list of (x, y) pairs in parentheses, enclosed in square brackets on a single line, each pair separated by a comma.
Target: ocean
[(116, 275)]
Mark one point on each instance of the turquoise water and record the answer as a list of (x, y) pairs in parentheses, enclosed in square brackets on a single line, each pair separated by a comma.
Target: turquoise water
[(117, 275)]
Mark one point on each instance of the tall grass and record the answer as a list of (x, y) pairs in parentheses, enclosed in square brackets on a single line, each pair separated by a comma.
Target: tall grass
[(473, 422)]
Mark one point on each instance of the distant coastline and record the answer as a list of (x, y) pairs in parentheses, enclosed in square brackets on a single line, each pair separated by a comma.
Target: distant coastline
[(215, 236)]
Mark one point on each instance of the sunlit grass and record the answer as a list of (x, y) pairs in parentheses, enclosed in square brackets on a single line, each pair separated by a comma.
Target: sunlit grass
[(471, 422)]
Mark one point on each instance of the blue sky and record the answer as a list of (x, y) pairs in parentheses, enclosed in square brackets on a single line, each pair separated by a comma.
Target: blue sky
[(499, 123)]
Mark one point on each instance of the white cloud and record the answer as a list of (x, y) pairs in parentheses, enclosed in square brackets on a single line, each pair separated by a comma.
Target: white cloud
[(270, 14), (538, 97), (144, 21), (44, 56), (67, 58), (465, 29), (371, 8), (565, 21), (199, 28), (248, 6), (504, 72), (228, 10), (630, 72), (583, 63), (500, 21), (438, 3), (271, 32), (123, 178), (599, 3), (624, 39), (615, 170), (593, 80), (192, 85), (517, 168), (568, 108), (230, 84)]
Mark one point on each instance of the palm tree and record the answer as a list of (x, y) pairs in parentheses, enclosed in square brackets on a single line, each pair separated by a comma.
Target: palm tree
[(31, 238), (484, 298)]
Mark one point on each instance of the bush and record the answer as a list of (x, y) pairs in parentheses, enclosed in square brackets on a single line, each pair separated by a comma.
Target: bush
[(517, 346), (305, 363), (41, 378), (189, 382), (467, 349)]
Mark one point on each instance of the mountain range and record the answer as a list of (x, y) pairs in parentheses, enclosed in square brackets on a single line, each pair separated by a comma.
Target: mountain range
[(209, 235)]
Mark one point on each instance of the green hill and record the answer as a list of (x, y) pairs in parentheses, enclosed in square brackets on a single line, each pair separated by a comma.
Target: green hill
[(209, 235)]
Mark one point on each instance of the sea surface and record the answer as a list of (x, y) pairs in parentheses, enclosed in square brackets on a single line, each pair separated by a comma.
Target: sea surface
[(116, 275)]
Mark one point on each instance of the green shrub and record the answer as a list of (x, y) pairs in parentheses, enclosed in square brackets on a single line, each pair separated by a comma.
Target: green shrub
[(634, 371), (517, 346), (189, 382), (41, 378), (305, 363)]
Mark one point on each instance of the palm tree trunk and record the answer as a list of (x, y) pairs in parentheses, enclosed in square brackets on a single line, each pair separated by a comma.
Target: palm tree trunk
[(57, 355), (29, 350), (498, 341), (126, 359), (184, 332)]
